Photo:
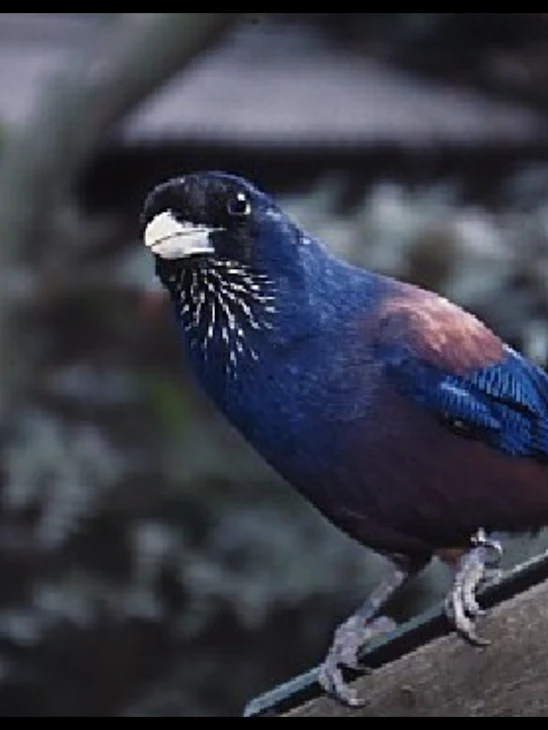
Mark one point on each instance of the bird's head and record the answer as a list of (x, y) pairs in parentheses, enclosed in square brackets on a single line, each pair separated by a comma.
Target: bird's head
[(211, 218), (228, 255)]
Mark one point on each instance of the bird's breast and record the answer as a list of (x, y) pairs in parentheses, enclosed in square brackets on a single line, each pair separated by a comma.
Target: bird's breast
[(380, 467), (298, 409)]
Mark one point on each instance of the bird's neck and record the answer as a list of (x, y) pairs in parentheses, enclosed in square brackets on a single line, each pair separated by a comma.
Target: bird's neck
[(224, 311), (237, 322)]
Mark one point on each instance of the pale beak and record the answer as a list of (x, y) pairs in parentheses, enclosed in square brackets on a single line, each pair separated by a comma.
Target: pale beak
[(170, 239)]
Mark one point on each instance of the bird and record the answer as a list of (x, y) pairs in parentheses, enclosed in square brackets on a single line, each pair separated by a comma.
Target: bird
[(401, 417)]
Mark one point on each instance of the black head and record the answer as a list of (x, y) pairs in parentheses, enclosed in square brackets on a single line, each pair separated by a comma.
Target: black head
[(206, 215), (224, 250)]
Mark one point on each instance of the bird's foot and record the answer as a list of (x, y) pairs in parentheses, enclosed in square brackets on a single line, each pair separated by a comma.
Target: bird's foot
[(349, 641), (475, 567)]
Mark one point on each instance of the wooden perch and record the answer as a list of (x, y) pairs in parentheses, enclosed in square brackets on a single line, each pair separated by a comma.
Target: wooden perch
[(424, 670)]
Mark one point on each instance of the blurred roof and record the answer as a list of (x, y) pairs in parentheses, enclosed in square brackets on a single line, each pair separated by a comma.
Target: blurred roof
[(272, 82)]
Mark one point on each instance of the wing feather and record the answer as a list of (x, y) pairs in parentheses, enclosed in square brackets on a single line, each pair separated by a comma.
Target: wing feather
[(447, 360)]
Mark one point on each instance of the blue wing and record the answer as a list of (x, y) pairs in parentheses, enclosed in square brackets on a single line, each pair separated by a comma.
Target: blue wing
[(505, 403)]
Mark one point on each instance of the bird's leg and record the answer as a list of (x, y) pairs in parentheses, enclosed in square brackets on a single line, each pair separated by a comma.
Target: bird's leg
[(462, 607), (352, 635)]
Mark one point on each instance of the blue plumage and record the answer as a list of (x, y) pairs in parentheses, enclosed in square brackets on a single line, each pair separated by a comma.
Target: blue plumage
[(505, 404), (401, 417)]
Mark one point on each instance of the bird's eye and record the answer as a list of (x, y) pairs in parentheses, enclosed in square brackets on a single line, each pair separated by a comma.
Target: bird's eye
[(239, 206)]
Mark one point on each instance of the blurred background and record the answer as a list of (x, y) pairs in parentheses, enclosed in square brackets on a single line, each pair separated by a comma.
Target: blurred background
[(150, 563)]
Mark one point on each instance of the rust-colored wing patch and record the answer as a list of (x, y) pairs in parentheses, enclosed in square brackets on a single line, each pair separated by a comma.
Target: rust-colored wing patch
[(437, 331)]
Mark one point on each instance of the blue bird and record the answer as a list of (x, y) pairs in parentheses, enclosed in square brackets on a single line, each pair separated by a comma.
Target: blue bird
[(402, 418)]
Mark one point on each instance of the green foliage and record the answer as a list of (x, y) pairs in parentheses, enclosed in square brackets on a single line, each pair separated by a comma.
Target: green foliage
[(169, 403)]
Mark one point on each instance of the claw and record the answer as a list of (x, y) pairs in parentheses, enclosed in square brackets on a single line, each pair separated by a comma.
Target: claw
[(331, 679), (462, 607), (366, 623), (349, 641), (469, 601), (463, 624)]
